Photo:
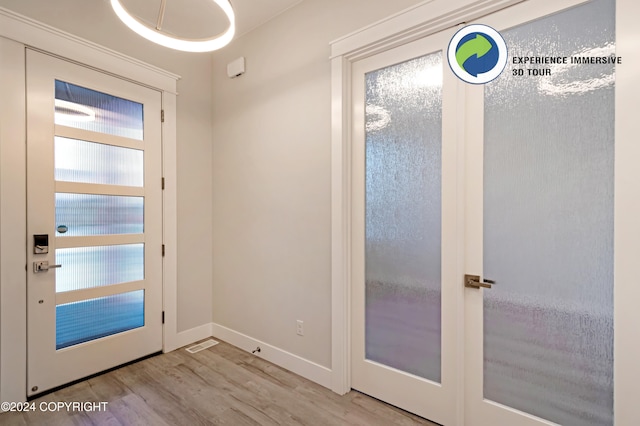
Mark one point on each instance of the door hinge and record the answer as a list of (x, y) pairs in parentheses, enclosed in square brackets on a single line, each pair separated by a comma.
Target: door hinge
[(162, 183), (163, 317), (163, 250), (162, 116)]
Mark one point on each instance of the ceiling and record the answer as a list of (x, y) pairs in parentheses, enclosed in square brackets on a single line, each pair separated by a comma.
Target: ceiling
[(203, 18)]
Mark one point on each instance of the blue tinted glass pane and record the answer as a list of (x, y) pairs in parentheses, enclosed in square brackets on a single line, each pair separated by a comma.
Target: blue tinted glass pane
[(88, 162), (91, 319), (85, 214), (87, 109), (89, 267)]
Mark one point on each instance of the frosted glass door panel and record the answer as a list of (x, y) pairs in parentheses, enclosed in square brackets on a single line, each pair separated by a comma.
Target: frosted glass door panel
[(87, 109), (548, 224), (87, 320), (89, 267), (86, 214), (403, 216), (88, 162)]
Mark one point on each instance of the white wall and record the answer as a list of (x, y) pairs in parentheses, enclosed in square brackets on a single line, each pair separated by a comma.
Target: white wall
[(95, 21), (13, 247), (271, 175)]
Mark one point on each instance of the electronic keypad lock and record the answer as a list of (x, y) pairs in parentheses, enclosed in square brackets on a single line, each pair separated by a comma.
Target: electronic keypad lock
[(40, 243)]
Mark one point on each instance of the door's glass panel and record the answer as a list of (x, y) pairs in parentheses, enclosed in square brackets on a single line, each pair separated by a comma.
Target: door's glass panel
[(91, 319), (88, 162), (89, 267), (87, 109), (403, 216), (87, 214), (548, 224)]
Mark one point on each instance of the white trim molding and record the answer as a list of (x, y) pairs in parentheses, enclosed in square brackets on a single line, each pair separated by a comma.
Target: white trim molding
[(192, 335), (301, 366), (51, 40), (16, 33), (421, 20), (340, 226), (170, 223), (627, 207), (294, 363)]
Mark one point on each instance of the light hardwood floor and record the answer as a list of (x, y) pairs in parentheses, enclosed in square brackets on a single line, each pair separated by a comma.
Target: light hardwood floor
[(221, 385)]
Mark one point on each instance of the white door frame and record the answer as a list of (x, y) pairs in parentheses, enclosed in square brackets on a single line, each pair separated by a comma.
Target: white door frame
[(422, 20), (17, 32)]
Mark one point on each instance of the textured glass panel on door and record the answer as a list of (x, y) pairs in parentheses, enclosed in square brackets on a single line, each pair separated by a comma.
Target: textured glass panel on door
[(89, 267), (87, 109), (88, 162), (80, 322), (403, 215), (548, 224), (86, 214)]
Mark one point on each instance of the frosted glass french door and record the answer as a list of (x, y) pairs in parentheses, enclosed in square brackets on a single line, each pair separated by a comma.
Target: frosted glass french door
[(541, 221), (94, 221), (403, 315), (527, 181)]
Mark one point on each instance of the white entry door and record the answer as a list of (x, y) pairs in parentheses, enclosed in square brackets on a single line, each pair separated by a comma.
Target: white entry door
[(94, 222), (514, 182)]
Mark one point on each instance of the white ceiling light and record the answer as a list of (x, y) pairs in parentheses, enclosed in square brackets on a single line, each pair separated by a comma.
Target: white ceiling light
[(188, 45)]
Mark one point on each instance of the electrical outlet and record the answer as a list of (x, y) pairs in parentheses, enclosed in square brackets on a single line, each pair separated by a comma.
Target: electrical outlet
[(300, 328)]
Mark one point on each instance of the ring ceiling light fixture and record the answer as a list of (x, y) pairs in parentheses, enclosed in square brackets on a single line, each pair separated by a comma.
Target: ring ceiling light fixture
[(185, 44)]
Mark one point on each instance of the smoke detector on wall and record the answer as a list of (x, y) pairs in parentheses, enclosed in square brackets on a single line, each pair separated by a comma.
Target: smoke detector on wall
[(236, 68)]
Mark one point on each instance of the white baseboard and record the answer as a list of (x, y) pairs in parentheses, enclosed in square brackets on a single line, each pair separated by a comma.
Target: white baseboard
[(303, 367), (187, 337)]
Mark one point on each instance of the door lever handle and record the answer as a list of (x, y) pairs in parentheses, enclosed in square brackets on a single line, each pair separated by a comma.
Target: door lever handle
[(473, 281), (43, 266)]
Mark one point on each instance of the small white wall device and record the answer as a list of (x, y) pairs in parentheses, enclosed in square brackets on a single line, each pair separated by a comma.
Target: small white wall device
[(235, 68)]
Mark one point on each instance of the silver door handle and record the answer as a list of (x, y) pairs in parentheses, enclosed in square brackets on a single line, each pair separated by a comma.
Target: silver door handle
[(43, 266)]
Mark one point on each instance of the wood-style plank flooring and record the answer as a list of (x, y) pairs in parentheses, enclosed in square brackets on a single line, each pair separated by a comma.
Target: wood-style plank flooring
[(221, 385)]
